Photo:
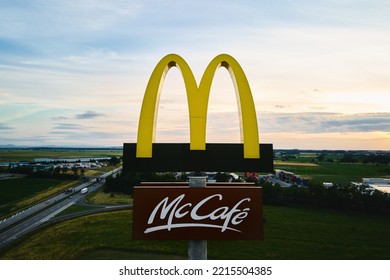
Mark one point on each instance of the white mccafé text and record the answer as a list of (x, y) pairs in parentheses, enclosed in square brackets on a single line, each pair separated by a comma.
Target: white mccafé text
[(223, 217)]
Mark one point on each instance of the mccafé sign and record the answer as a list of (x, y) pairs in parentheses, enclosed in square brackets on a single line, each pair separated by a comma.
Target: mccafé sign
[(197, 213), (212, 212)]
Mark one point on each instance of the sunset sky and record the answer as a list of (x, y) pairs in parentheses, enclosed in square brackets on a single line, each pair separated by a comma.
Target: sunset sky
[(73, 73)]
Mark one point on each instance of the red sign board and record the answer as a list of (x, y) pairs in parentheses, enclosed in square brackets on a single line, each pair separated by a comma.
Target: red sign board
[(180, 212)]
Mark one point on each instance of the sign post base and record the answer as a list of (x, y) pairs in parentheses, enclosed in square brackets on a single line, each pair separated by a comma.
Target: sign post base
[(197, 249)]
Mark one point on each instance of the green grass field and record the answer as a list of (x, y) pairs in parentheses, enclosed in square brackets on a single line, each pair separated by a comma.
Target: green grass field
[(337, 173), (290, 233), (100, 197), (16, 194)]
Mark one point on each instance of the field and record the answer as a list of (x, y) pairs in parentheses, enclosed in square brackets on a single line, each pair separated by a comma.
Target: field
[(328, 166), (16, 194), (294, 163), (99, 197), (337, 173), (15, 155), (290, 233)]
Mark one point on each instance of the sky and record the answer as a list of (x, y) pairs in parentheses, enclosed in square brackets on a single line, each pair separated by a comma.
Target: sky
[(73, 73)]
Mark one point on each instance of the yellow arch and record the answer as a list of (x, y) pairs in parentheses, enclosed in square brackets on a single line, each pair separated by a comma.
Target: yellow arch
[(198, 104)]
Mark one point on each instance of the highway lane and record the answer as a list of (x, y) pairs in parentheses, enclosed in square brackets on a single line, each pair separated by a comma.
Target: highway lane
[(21, 224), (33, 222)]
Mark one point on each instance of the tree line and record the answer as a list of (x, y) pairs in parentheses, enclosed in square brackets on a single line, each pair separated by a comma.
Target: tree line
[(125, 182), (355, 157), (61, 173), (340, 197)]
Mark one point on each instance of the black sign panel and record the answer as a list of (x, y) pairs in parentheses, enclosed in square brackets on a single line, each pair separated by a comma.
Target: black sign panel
[(178, 157)]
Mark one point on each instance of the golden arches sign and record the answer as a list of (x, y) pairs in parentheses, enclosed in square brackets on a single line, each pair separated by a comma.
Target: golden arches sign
[(197, 98)]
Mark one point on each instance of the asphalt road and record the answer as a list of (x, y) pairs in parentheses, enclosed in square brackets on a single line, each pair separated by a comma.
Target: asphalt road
[(37, 215)]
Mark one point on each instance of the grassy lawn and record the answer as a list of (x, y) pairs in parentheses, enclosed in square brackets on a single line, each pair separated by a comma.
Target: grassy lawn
[(19, 193), (100, 197), (75, 209), (290, 233)]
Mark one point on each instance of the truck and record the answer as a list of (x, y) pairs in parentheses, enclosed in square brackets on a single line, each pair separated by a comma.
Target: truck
[(84, 190)]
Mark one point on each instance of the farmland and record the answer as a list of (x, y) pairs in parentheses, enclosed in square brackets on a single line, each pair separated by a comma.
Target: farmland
[(338, 173), (28, 154), (332, 166)]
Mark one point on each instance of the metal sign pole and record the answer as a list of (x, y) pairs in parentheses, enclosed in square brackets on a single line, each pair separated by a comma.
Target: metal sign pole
[(197, 249)]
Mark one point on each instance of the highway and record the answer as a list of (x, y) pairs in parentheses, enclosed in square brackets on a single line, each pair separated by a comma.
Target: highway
[(37, 215)]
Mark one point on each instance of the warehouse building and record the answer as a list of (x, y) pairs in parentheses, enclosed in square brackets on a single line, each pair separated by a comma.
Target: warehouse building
[(380, 184)]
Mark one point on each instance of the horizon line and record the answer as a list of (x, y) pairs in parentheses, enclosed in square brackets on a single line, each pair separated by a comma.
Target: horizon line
[(120, 147)]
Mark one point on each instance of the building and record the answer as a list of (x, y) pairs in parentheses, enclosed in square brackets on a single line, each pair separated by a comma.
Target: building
[(286, 179), (290, 178), (380, 184)]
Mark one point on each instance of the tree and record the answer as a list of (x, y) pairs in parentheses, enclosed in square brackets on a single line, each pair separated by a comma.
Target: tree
[(222, 177), (75, 170), (321, 157), (348, 158), (114, 160)]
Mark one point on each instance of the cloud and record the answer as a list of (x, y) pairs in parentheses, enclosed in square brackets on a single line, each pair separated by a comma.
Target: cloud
[(5, 127), (59, 118), (89, 115), (225, 127), (324, 122), (89, 138), (359, 122), (70, 126)]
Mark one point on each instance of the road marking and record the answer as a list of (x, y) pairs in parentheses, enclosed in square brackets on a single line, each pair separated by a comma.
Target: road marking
[(57, 211)]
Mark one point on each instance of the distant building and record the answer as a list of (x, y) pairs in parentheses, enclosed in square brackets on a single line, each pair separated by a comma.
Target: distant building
[(380, 181), (290, 178), (380, 184), (287, 179), (68, 160)]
